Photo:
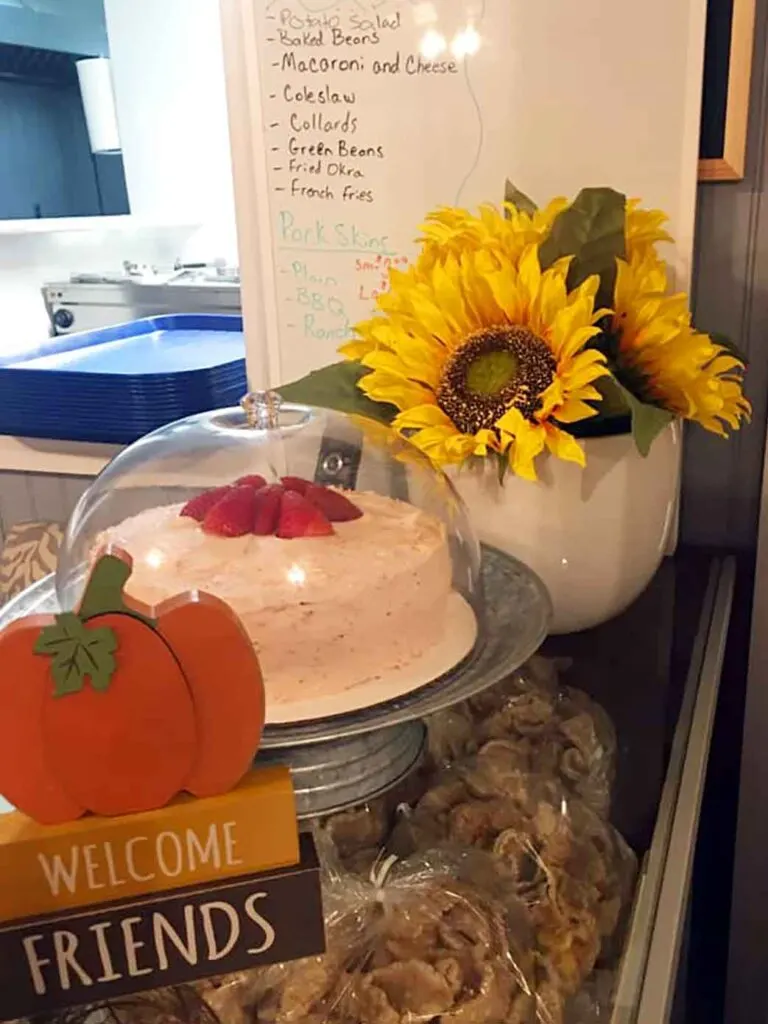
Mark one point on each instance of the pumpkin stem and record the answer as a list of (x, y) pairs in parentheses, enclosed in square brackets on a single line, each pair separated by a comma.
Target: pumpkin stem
[(104, 592)]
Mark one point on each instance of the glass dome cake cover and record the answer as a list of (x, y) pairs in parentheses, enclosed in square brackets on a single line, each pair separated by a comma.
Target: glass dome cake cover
[(348, 557)]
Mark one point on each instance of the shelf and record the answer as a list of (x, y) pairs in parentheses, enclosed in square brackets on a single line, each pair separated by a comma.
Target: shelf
[(58, 458), (656, 670)]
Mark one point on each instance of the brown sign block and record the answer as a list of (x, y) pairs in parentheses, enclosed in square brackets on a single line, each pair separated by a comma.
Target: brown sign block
[(104, 952)]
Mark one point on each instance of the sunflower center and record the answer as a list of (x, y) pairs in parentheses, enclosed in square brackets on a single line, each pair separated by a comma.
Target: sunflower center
[(491, 371), (494, 369)]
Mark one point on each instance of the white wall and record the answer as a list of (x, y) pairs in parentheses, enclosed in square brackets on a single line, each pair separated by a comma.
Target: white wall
[(168, 72), (27, 260)]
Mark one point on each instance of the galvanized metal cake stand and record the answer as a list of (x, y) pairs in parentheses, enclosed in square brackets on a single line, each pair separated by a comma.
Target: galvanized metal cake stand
[(344, 760)]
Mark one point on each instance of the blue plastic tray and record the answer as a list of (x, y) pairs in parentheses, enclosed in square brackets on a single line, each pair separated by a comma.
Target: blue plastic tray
[(154, 345), (119, 383), (112, 430)]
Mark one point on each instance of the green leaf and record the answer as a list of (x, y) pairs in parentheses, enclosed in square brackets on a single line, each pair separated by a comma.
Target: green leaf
[(100, 649), (335, 387), (729, 346), (68, 629), (77, 654), (502, 465), (615, 400), (519, 199), (67, 674), (592, 230), (648, 421)]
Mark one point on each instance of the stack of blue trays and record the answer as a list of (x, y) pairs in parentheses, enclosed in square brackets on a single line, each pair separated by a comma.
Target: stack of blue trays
[(117, 384)]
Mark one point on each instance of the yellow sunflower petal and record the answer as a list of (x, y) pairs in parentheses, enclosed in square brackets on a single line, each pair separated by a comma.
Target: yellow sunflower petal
[(575, 410), (422, 416), (442, 445), (511, 422), (644, 229), (527, 445), (397, 391), (676, 367), (357, 349), (411, 362), (563, 446)]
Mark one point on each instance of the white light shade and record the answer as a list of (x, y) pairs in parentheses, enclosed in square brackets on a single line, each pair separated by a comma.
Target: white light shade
[(99, 104)]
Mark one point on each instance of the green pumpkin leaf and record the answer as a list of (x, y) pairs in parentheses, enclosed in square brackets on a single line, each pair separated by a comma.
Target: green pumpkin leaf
[(100, 649), (77, 654), (335, 387), (729, 346), (68, 629), (519, 199), (67, 672), (592, 231)]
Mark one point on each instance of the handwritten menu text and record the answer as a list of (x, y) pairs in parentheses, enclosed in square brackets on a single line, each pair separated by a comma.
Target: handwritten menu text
[(353, 95)]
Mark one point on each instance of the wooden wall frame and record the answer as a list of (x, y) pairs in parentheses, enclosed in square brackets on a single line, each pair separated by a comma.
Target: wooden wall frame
[(727, 78)]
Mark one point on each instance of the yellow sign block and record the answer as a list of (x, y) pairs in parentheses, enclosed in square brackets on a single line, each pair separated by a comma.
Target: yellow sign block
[(96, 860)]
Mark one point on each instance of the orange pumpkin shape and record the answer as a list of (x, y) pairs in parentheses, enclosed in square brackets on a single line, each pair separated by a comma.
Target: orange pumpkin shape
[(25, 778), (124, 705), (224, 676)]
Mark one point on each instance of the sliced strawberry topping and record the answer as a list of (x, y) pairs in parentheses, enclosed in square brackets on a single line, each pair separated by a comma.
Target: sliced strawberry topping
[(233, 515), (267, 510), (295, 483), (199, 507), (256, 481), (300, 518), (334, 505)]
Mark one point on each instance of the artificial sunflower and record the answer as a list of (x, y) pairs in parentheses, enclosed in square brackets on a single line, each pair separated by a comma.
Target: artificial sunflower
[(644, 230), (502, 234), (481, 356), (662, 360), (489, 344)]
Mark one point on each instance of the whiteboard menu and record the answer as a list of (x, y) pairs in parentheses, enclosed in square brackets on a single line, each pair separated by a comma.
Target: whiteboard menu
[(351, 119), (373, 113)]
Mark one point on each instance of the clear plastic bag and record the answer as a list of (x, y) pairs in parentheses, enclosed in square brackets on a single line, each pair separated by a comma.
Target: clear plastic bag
[(570, 868), (360, 833), (183, 1004), (557, 731), (440, 937), (594, 1003)]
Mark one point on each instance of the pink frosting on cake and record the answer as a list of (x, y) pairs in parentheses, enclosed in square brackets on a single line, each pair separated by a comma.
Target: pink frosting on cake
[(325, 613)]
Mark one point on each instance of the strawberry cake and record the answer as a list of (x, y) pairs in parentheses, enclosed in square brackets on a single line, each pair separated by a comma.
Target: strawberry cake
[(347, 598)]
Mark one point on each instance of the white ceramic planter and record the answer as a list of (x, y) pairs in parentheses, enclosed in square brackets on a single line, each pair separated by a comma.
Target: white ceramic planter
[(595, 536)]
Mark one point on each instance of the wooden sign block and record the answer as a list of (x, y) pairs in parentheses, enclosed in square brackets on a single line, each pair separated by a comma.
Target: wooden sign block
[(144, 850), (81, 958), (190, 842)]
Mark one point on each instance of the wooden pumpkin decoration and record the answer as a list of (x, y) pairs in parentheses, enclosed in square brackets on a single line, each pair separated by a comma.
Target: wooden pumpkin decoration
[(119, 707)]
